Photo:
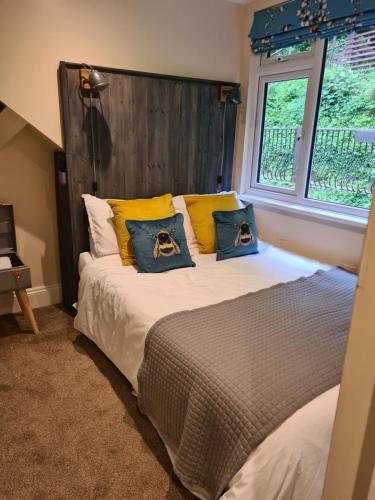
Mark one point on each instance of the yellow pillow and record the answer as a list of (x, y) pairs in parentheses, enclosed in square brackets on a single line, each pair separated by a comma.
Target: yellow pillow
[(142, 209), (200, 209)]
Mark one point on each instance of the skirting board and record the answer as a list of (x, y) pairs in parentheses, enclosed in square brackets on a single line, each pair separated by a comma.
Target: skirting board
[(39, 296)]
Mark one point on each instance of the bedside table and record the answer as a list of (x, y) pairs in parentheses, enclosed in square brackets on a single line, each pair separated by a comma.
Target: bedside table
[(14, 274)]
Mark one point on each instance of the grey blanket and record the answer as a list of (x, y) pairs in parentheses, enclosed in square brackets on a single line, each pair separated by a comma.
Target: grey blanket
[(216, 381)]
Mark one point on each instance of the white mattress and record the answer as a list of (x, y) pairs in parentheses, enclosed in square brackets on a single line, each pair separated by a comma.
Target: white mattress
[(118, 306)]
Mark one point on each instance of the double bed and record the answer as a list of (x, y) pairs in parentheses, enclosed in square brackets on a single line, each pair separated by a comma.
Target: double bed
[(124, 312), (118, 307)]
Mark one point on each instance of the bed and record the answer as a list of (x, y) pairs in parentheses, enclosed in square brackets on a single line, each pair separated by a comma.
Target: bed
[(118, 307)]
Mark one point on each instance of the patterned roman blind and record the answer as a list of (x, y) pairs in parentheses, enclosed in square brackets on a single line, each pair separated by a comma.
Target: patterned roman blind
[(295, 21)]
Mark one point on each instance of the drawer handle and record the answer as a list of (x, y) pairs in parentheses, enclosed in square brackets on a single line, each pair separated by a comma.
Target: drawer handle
[(17, 275)]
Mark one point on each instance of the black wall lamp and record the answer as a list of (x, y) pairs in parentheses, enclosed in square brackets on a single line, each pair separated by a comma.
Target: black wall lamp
[(93, 82), (230, 94)]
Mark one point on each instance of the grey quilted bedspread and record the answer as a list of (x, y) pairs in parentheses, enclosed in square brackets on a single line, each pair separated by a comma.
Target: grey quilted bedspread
[(216, 381)]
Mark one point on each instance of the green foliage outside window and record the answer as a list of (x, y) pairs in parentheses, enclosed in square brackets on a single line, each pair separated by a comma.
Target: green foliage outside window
[(347, 102)]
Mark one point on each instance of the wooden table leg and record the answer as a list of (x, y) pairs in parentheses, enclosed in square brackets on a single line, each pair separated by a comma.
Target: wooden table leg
[(25, 306)]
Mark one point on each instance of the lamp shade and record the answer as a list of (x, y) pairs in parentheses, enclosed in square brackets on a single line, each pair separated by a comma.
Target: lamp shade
[(234, 96), (97, 81)]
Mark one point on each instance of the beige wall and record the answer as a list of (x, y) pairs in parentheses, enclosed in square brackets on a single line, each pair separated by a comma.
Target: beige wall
[(198, 38), (352, 453), (27, 181), (335, 245), (10, 125)]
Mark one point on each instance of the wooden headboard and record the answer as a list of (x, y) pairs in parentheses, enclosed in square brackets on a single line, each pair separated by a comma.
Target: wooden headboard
[(155, 134)]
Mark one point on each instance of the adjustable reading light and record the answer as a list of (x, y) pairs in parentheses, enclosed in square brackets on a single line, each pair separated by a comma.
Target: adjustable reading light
[(233, 95), (92, 81), (97, 81)]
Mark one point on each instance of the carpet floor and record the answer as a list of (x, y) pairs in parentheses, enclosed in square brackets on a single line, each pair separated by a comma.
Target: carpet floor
[(69, 425)]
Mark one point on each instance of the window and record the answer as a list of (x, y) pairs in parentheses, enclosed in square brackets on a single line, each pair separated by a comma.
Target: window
[(284, 105), (314, 124)]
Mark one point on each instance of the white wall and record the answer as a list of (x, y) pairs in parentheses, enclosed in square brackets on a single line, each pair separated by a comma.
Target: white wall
[(322, 241)]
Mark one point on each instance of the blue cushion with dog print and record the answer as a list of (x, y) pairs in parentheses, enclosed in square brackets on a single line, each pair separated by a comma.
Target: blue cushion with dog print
[(159, 245), (236, 233)]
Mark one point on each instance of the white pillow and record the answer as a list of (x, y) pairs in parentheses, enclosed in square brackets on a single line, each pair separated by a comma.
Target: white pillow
[(103, 240), (180, 206)]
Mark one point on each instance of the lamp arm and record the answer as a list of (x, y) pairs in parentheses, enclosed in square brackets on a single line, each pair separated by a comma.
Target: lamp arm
[(87, 66), (95, 183)]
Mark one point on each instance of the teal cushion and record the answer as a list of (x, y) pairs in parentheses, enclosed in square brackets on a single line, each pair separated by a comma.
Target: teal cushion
[(236, 233), (159, 245)]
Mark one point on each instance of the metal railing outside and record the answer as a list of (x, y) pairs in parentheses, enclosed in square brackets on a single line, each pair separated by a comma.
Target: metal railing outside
[(341, 161)]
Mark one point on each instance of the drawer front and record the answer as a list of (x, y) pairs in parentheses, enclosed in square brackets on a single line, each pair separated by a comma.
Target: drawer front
[(14, 279)]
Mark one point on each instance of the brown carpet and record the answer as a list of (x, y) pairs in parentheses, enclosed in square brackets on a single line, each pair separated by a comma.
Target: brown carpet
[(69, 426)]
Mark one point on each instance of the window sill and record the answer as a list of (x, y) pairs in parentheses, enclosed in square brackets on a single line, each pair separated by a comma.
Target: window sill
[(308, 212)]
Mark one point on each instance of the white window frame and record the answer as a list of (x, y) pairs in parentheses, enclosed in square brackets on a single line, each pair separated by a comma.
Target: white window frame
[(265, 59), (262, 82), (263, 69)]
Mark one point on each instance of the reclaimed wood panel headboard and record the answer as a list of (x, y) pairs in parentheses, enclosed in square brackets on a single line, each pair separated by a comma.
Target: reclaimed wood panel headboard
[(155, 134)]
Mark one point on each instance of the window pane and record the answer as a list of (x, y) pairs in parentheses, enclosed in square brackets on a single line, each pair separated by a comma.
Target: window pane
[(288, 51), (343, 160), (282, 121)]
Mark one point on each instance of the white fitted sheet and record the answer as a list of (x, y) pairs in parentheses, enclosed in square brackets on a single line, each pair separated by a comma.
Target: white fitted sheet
[(84, 259), (118, 306), (290, 463)]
